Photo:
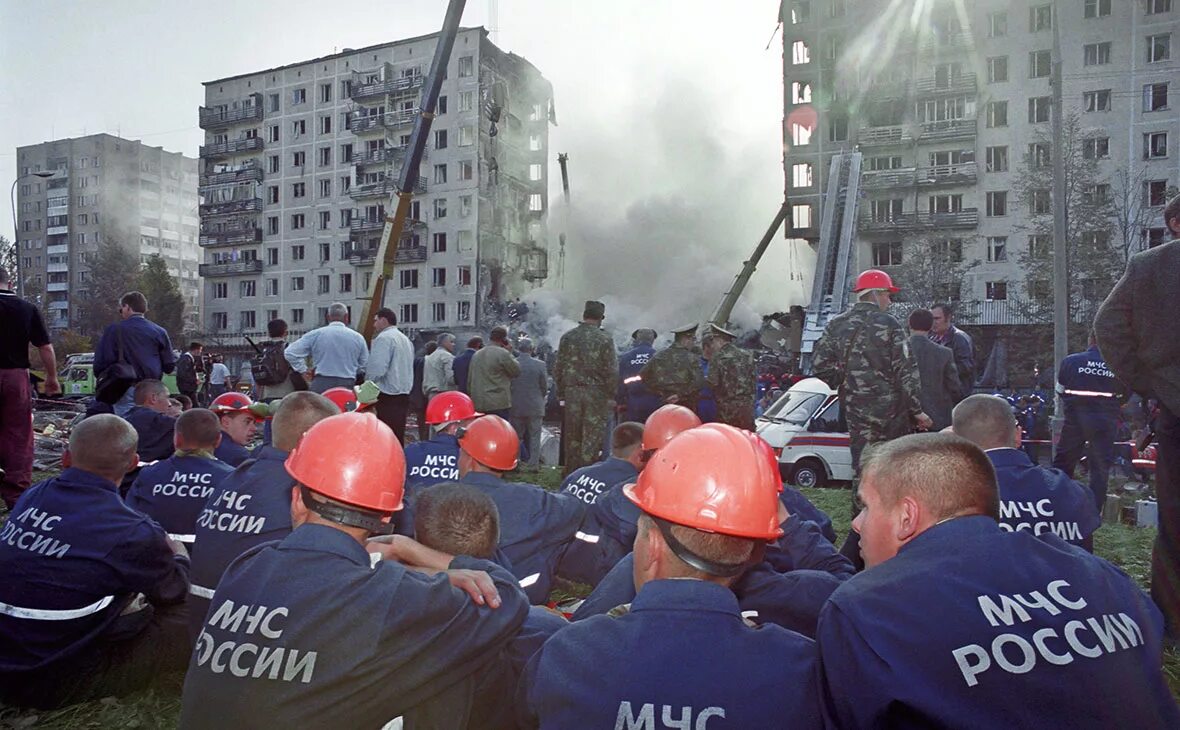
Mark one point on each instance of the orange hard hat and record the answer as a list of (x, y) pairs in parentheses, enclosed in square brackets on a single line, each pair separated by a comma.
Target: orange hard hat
[(666, 422), (344, 398), (351, 458), (714, 478), (450, 406), (491, 441), (874, 279)]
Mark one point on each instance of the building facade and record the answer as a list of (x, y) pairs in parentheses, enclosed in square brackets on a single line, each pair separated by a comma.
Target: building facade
[(103, 188), (950, 106), (300, 162)]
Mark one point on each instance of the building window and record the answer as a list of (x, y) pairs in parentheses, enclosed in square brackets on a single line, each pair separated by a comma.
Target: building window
[(296, 316), (464, 276), (1158, 6), (838, 129), (464, 206), (1096, 8), (440, 139), (325, 93), (221, 320), (1096, 54), (1040, 17), (997, 249), (997, 114), (438, 311), (325, 220), (408, 278), (345, 283), (272, 194), (1155, 193), (1155, 97), (272, 256), (535, 172), (1039, 202), (467, 136), (298, 96), (997, 25), (440, 242), (247, 288), (997, 203), (272, 288), (298, 190), (440, 174), (887, 253), (409, 313), (1039, 64), (800, 134), (438, 276), (346, 152), (800, 92), (800, 53), (326, 124), (801, 216), (950, 250), (440, 208), (299, 159), (274, 103), (1096, 101), (345, 184), (997, 159), (299, 127), (272, 225), (463, 311), (298, 252), (1159, 47), (801, 175), (297, 283), (466, 67), (323, 284), (885, 210), (1096, 148), (325, 252), (325, 156), (997, 69), (875, 164), (1155, 145), (326, 187), (466, 101), (272, 163), (946, 203), (221, 290), (1098, 194), (1040, 245), (1038, 109), (441, 107), (274, 133), (996, 291), (536, 202)]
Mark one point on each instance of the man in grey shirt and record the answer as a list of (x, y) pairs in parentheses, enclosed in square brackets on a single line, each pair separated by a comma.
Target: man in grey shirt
[(528, 400), (438, 374), (337, 352)]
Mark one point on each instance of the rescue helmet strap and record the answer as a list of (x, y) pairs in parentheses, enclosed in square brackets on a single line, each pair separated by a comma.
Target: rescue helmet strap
[(721, 570), (344, 515)]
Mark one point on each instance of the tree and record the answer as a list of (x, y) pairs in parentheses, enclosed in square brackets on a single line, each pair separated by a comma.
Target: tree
[(933, 268), (8, 254), (165, 302), (112, 273)]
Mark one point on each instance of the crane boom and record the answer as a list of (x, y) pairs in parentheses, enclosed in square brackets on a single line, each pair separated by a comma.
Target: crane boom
[(721, 315)]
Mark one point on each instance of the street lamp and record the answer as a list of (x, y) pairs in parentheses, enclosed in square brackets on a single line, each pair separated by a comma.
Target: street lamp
[(44, 175)]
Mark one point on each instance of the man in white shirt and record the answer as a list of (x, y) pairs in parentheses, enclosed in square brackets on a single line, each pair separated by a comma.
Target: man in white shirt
[(337, 352), (391, 368), (439, 373), (218, 375)]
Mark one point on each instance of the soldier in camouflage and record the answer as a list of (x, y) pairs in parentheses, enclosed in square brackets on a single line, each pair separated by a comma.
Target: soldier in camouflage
[(733, 378), (674, 373), (585, 374)]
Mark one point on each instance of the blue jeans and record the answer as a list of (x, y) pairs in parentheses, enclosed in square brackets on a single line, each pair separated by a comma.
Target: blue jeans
[(126, 403)]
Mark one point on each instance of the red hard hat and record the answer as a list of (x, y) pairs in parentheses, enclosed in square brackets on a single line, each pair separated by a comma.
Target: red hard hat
[(714, 478), (450, 406), (344, 398), (874, 279), (231, 403), (666, 422), (491, 441), (351, 458)]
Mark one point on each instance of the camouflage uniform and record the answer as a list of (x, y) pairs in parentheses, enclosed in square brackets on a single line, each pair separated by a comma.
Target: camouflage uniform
[(732, 377), (586, 370), (675, 371)]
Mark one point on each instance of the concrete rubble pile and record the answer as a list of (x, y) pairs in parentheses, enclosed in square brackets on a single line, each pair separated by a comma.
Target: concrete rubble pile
[(52, 421)]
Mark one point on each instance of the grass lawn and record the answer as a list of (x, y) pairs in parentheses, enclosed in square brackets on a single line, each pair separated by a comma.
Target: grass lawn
[(1127, 547)]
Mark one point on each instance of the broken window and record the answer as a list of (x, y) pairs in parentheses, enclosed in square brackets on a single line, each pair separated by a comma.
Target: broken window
[(800, 53), (801, 216), (800, 134), (535, 202), (801, 175), (800, 92)]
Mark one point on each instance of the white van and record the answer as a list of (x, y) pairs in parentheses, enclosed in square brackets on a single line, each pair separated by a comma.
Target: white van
[(807, 431)]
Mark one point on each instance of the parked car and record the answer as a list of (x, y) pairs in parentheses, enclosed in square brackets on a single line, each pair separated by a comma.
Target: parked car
[(807, 431), (77, 377)]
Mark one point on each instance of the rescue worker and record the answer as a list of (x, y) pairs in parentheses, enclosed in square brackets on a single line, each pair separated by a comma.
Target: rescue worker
[(437, 460), (536, 526), (585, 373), (349, 399), (1093, 397), (239, 418), (273, 652), (91, 591), (173, 491), (634, 401), (1032, 497), (732, 378), (674, 373), (149, 417), (623, 465), (957, 623), (683, 653), (253, 504)]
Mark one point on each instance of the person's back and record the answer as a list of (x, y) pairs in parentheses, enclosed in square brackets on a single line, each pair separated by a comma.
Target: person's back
[(461, 365), (591, 482), (155, 432), (431, 462), (530, 388), (146, 347), (939, 379), (489, 379), (173, 491), (1041, 500), (632, 392)]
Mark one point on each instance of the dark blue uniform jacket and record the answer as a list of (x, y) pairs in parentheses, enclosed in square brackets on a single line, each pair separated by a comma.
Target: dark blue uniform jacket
[(310, 630), (1089, 385), (682, 655), (973, 627), (1039, 499), (174, 491), (632, 392), (230, 451), (72, 556), (145, 346), (427, 463), (590, 482), (155, 432)]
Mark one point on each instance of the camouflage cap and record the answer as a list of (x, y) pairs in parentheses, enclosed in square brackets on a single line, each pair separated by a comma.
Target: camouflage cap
[(594, 310), (718, 330)]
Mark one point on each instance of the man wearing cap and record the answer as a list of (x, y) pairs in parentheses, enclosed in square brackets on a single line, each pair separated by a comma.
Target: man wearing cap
[(733, 379), (682, 653), (674, 373), (635, 401), (272, 652), (585, 374), (536, 526)]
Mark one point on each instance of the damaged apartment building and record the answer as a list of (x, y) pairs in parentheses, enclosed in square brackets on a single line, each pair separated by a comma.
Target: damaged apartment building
[(300, 163)]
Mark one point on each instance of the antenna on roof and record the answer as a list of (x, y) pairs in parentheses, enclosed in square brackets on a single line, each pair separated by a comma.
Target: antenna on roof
[(494, 20)]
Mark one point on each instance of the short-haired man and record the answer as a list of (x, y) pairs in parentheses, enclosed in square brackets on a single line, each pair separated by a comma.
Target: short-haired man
[(489, 379), (388, 640), (957, 623), (188, 365), (584, 377), (944, 332), (144, 345), (337, 352), (462, 363), (239, 418), (391, 368), (253, 504), (683, 647), (626, 460), (634, 400), (529, 394), (276, 331), (173, 491), (1032, 497), (91, 591), (23, 327), (438, 372), (151, 421), (940, 385)]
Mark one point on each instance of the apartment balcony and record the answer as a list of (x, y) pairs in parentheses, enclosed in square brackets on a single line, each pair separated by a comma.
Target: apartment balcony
[(388, 86), (534, 263), (962, 84), (383, 189), (230, 236), (60, 304), (231, 269), (884, 136), (361, 123), (365, 225), (57, 268), (961, 174), (57, 286), (211, 117), (881, 90), (901, 177), (57, 230), (956, 41), (59, 181), (249, 171), (232, 147), (57, 249), (964, 219), (233, 207), (945, 130), (360, 254), (380, 156)]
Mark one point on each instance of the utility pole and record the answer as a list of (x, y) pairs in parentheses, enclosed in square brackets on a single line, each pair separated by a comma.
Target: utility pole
[(563, 160), (1060, 257)]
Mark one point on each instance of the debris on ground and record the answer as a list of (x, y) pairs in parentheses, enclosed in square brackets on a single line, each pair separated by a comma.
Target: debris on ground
[(52, 421)]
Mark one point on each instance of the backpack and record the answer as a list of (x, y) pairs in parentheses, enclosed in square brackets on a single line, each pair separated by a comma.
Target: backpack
[(269, 367)]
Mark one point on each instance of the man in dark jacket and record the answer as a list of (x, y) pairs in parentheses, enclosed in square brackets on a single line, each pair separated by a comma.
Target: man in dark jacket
[(946, 334), (463, 362), (187, 367), (941, 387), (145, 346)]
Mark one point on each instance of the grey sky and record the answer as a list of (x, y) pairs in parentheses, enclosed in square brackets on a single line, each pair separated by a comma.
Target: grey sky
[(623, 72)]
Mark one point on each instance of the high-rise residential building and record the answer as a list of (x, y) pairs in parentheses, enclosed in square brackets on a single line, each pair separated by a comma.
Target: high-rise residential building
[(949, 104), (300, 162), (103, 188)]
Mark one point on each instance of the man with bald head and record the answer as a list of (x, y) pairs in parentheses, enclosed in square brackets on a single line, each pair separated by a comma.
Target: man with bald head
[(1032, 497), (91, 591), (986, 628)]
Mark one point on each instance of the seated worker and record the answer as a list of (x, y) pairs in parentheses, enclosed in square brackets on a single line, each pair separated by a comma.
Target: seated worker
[(622, 466), (437, 460), (985, 628), (710, 503), (91, 591), (1032, 497), (317, 629), (239, 420), (536, 526), (253, 504), (173, 491), (149, 417)]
